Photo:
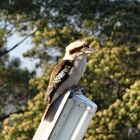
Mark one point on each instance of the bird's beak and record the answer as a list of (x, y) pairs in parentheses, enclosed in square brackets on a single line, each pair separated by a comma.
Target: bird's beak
[(88, 51)]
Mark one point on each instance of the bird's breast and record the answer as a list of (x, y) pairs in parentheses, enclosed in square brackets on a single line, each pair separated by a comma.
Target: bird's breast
[(78, 70)]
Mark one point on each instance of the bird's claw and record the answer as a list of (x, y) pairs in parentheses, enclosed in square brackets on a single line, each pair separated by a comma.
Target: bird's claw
[(77, 89)]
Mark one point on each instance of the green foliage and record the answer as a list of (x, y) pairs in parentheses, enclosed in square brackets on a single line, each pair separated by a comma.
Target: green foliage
[(2, 39), (22, 126), (113, 72), (60, 22), (116, 121), (14, 88), (50, 39)]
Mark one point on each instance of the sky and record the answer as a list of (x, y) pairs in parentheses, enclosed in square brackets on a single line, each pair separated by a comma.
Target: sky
[(18, 52), (28, 63)]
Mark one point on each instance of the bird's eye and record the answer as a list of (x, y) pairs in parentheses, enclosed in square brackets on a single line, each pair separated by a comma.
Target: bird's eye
[(86, 46)]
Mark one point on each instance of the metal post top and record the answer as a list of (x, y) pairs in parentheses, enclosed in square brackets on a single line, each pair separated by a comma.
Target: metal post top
[(84, 100), (68, 118)]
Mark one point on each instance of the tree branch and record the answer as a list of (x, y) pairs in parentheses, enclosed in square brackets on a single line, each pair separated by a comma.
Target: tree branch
[(7, 116), (16, 45)]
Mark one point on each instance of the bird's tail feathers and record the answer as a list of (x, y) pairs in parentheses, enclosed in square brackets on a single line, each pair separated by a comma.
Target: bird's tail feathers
[(52, 108)]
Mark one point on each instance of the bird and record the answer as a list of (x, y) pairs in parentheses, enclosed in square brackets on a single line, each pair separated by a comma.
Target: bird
[(69, 70)]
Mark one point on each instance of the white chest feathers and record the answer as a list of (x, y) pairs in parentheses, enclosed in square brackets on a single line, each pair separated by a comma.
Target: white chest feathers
[(79, 68)]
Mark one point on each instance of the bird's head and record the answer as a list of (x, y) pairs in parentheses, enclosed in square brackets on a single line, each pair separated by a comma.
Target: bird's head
[(76, 49)]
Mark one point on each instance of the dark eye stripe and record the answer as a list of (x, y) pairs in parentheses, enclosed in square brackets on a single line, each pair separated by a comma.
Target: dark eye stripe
[(76, 49)]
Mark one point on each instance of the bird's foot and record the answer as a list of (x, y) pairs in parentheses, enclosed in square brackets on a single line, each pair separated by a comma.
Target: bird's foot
[(77, 89)]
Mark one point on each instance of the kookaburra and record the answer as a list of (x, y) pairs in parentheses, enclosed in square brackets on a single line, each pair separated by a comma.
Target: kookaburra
[(69, 70)]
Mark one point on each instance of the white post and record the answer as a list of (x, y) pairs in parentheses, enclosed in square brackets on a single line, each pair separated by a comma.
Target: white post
[(70, 121)]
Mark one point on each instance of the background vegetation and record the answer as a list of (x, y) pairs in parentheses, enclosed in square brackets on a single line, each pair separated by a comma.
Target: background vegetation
[(112, 79)]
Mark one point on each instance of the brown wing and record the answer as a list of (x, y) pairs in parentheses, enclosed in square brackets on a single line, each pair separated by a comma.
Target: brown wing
[(59, 74)]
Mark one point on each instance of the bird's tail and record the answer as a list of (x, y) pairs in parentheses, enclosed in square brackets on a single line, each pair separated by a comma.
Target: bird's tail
[(52, 108)]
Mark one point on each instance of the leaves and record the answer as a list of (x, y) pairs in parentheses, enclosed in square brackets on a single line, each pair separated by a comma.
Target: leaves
[(118, 118), (113, 72)]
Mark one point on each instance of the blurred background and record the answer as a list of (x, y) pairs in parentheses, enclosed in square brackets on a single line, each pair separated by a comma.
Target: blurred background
[(33, 36)]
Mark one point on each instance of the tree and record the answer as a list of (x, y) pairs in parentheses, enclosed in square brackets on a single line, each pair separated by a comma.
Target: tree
[(120, 120), (115, 20), (111, 27), (110, 71), (14, 89), (22, 126)]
